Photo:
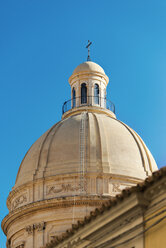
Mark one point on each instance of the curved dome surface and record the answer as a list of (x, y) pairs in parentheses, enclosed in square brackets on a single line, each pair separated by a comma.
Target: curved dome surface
[(89, 66), (109, 146)]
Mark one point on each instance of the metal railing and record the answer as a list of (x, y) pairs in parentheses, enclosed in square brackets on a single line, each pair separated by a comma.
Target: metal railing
[(88, 101)]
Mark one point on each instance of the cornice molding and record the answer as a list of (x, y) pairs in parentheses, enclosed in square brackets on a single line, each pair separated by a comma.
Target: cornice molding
[(49, 204)]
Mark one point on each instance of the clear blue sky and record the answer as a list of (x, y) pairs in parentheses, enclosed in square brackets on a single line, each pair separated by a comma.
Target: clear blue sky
[(41, 42)]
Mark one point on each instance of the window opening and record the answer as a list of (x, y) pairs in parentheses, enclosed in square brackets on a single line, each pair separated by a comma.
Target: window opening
[(96, 94), (83, 93), (74, 98)]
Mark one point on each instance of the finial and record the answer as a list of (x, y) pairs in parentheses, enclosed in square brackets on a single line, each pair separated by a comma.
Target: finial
[(88, 46)]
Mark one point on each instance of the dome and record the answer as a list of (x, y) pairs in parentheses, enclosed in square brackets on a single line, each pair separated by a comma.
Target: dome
[(76, 166), (110, 147), (89, 66)]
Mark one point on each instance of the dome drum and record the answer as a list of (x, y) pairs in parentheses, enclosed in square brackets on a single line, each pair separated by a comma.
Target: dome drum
[(70, 185), (58, 214)]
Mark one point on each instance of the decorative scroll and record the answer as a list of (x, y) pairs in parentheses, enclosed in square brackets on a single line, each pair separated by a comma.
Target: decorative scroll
[(37, 226), (29, 229), (19, 200), (63, 188), (116, 187)]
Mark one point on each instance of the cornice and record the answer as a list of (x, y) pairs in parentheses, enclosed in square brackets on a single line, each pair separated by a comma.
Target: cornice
[(107, 219), (156, 190), (42, 205), (89, 109), (139, 192)]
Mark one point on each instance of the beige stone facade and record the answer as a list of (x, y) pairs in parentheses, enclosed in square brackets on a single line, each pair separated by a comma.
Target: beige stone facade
[(134, 219), (77, 165)]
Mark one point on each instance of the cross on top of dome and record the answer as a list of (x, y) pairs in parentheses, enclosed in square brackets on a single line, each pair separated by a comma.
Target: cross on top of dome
[(88, 46)]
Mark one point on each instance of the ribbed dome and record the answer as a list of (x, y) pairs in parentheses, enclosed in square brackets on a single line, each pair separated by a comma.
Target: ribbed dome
[(89, 66), (109, 146), (76, 166)]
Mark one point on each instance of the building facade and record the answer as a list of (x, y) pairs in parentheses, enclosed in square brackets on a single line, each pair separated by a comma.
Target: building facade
[(134, 219)]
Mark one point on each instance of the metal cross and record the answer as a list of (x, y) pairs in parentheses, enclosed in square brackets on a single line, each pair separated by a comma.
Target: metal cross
[(88, 46)]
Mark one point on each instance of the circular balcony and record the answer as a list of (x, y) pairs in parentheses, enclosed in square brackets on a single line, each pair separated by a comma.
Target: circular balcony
[(88, 101)]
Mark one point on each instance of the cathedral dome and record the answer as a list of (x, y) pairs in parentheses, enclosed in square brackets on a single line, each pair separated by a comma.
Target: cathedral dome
[(78, 164), (89, 66), (110, 147)]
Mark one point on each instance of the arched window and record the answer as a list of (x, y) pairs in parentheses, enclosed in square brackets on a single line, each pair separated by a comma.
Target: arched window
[(96, 94), (74, 98), (83, 93)]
